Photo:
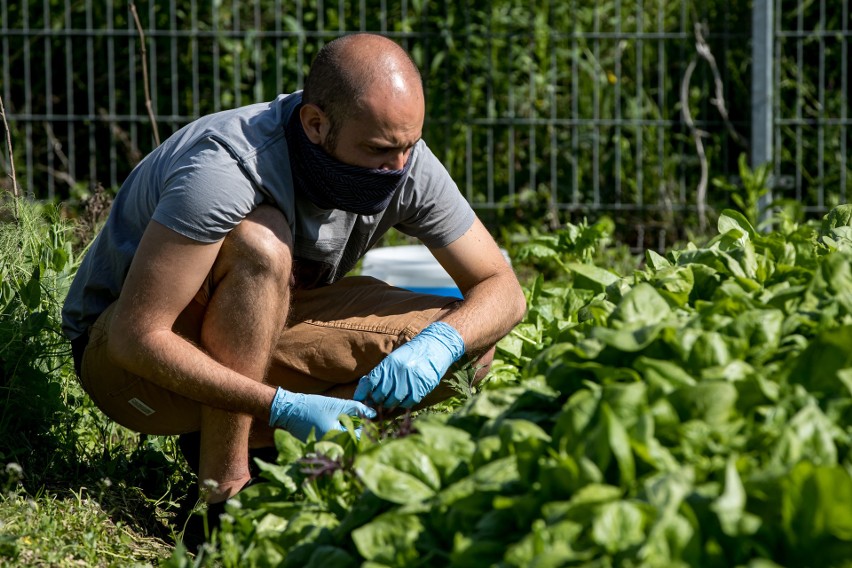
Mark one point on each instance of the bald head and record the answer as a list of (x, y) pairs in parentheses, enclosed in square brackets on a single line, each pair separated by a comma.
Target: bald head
[(348, 68)]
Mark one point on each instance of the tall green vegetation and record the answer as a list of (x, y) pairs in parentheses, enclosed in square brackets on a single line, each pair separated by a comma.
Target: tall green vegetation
[(36, 266), (75, 488), (536, 106)]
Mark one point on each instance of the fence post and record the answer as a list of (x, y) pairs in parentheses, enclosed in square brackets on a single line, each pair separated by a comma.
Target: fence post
[(762, 87)]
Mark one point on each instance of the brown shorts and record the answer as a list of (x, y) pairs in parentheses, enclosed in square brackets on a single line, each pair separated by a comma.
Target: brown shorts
[(334, 336)]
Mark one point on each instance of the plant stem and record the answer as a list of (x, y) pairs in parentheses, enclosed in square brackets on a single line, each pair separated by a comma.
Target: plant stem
[(144, 53), (11, 155), (523, 338)]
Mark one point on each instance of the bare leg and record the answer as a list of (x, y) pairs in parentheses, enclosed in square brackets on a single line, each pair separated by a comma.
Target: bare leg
[(243, 319)]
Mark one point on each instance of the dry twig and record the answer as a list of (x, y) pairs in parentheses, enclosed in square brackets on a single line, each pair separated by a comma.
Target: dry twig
[(11, 155), (56, 146), (697, 135), (144, 53), (718, 101)]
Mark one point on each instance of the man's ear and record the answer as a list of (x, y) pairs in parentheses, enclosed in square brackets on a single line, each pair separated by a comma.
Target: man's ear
[(314, 121)]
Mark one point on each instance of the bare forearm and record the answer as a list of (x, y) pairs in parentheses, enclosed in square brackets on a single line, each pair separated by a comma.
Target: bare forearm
[(174, 363), (488, 312)]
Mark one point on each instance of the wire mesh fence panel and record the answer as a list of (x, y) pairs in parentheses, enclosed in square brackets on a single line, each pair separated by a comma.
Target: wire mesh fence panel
[(812, 123), (540, 109)]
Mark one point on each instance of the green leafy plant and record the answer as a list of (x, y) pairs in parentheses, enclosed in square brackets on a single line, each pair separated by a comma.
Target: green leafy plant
[(693, 412), (36, 264), (750, 190)]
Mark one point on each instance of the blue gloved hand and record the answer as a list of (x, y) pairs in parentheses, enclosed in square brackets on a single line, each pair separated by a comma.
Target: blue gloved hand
[(411, 371), (300, 413)]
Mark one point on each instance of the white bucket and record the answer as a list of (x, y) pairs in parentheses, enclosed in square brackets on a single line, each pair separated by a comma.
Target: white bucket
[(411, 267)]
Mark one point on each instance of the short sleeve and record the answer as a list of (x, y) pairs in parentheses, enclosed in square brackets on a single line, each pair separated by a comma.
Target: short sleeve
[(206, 193), (433, 209)]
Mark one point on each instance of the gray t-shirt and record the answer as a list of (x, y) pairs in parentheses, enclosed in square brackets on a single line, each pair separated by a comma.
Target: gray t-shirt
[(204, 179)]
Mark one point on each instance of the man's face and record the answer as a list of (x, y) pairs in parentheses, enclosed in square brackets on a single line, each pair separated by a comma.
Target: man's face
[(382, 133)]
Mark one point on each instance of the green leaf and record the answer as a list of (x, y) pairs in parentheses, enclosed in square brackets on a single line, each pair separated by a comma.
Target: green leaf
[(449, 448), (641, 307), (475, 551), (817, 367), (576, 417), (816, 514), (655, 260), (618, 525), (59, 259), (537, 251), (590, 277), (664, 375), (675, 283), (836, 272), (9, 546), (713, 402), (493, 476), (627, 340), (31, 291), (718, 260), (325, 556), (279, 474), (628, 401), (730, 505), (619, 442), (671, 537), (548, 545), (840, 216), (809, 435), (648, 448), (730, 220), (391, 539), (710, 349), (305, 526), (399, 471), (497, 475), (34, 323), (522, 436), (585, 501), (488, 404)]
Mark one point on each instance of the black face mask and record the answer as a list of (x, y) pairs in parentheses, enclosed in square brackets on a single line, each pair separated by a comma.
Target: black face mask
[(331, 184)]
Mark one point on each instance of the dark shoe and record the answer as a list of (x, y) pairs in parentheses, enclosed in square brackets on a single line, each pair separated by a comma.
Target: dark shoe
[(201, 524), (190, 446)]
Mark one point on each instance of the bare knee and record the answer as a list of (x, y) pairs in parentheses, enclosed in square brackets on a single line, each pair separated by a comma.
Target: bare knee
[(261, 244)]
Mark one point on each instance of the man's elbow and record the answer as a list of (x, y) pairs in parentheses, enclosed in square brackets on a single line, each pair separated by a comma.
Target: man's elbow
[(517, 302)]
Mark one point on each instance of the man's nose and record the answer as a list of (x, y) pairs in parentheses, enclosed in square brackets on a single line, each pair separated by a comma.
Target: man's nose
[(395, 161)]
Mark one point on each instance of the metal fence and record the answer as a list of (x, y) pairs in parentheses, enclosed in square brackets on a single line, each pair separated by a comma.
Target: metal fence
[(625, 107)]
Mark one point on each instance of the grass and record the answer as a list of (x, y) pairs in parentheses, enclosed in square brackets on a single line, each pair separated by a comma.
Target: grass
[(113, 500), (72, 529)]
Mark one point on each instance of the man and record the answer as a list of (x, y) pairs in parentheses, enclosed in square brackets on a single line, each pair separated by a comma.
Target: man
[(213, 300)]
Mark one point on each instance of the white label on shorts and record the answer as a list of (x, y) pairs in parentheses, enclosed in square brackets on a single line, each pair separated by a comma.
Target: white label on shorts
[(141, 406)]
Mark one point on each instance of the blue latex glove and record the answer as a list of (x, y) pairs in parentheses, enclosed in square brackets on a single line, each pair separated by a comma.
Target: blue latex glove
[(411, 371), (300, 413)]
